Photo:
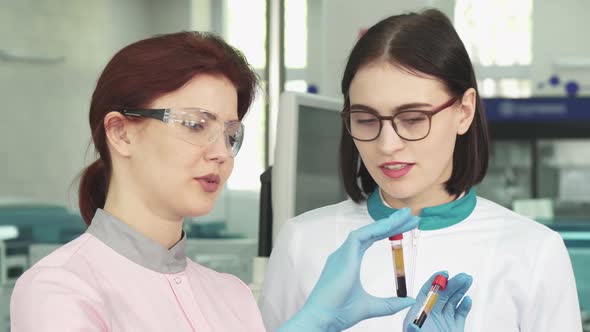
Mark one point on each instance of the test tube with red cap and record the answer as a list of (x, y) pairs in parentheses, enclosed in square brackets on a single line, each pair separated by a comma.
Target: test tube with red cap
[(439, 284), (398, 264)]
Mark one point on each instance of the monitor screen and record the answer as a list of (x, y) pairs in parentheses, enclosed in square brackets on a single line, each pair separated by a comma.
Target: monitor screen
[(305, 172), (317, 180)]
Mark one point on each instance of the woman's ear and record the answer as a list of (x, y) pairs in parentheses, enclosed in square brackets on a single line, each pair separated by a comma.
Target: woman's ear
[(117, 132), (468, 106)]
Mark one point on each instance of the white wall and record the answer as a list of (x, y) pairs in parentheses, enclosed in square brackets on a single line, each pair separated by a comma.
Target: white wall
[(334, 27), (45, 106), (169, 16), (560, 30), (44, 128)]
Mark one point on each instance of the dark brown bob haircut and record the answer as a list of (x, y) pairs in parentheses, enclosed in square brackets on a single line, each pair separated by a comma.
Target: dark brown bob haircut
[(424, 42)]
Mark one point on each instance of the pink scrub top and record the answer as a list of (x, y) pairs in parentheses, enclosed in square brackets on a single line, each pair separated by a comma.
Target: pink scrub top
[(112, 278)]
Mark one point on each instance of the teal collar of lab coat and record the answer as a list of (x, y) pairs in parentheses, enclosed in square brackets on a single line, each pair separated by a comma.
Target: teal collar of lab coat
[(431, 218)]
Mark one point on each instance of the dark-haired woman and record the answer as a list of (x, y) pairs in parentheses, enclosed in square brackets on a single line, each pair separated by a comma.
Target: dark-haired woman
[(415, 136)]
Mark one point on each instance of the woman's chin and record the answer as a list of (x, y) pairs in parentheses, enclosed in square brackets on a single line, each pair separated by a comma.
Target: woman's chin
[(398, 192), (199, 209)]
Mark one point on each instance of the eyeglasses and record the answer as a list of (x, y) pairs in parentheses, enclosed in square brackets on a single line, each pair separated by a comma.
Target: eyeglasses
[(198, 126), (365, 124)]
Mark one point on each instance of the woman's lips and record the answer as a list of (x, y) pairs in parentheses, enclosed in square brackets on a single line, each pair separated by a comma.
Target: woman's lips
[(396, 170), (209, 182)]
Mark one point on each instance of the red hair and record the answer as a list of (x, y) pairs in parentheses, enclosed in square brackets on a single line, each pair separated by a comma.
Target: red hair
[(145, 70)]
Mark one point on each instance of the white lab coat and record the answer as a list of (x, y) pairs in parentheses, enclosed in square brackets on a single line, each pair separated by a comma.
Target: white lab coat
[(522, 274)]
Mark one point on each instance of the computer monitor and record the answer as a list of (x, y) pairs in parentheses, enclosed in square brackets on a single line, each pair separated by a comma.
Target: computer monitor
[(305, 173)]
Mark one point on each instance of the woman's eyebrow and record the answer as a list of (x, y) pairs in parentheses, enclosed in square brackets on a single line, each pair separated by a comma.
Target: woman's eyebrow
[(410, 106), (396, 109)]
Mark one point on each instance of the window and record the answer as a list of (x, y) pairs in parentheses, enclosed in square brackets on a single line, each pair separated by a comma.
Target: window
[(295, 34), (245, 28), (498, 37), (248, 34), (496, 32), (505, 87)]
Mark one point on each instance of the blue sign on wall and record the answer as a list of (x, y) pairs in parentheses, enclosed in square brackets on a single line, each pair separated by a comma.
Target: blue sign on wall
[(537, 109)]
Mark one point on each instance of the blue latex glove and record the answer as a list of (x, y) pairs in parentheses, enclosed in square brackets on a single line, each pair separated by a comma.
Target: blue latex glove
[(447, 315), (338, 300)]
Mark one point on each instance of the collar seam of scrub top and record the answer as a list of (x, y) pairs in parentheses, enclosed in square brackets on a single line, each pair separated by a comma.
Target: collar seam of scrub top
[(431, 218), (135, 246)]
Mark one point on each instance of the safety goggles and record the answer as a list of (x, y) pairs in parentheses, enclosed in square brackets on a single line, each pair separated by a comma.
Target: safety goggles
[(194, 125)]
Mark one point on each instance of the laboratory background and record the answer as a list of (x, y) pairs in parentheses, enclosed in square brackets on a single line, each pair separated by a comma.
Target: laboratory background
[(531, 59)]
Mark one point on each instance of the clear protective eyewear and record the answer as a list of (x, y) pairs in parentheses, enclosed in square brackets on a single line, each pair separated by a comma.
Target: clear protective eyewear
[(365, 124), (197, 126)]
